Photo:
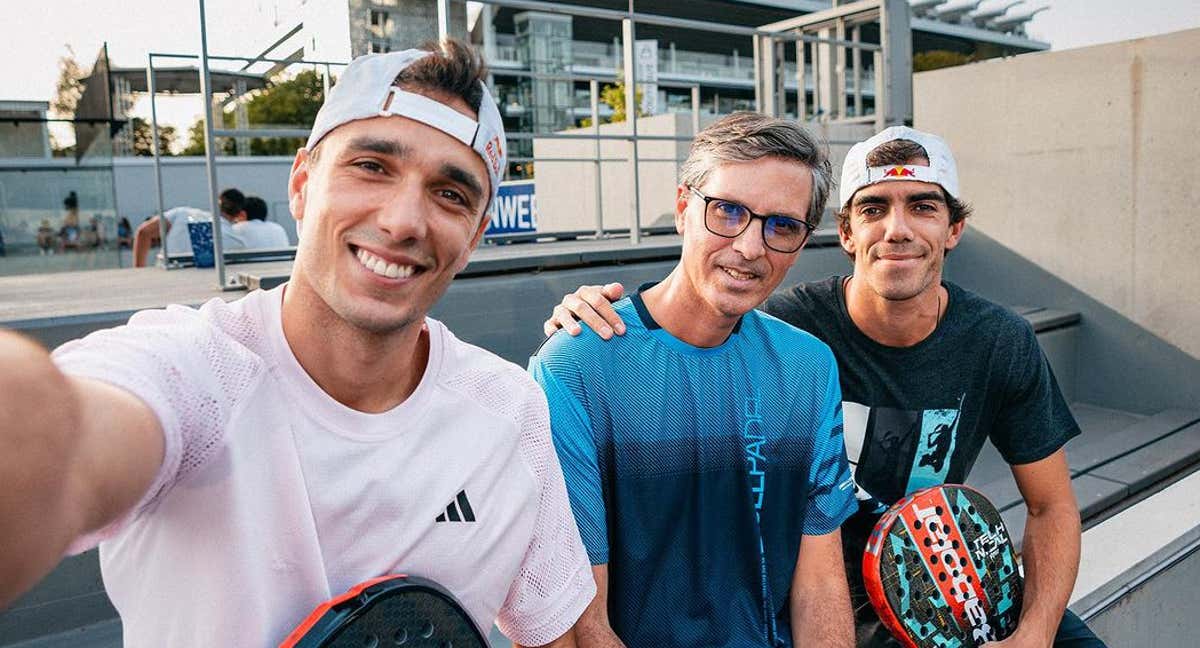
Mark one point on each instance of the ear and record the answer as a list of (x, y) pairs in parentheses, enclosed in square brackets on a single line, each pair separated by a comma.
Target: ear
[(956, 232), (845, 240), (681, 204), (298, 185)]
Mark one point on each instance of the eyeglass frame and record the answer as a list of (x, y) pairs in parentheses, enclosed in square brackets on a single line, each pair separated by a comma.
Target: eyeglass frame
[(808, 227)]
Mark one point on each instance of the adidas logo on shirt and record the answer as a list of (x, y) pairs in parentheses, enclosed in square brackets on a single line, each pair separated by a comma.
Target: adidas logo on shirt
[(459, 510)]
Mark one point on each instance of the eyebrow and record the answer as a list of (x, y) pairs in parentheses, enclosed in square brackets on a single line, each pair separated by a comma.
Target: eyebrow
[(463, 177), (935, 196), (380, 146)]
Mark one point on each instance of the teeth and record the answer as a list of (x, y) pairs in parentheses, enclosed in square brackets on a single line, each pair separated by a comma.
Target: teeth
[(383, 268), (738, 275)]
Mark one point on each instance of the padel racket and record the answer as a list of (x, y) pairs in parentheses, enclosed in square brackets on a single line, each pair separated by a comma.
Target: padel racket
[(941, 570), (389, 611)]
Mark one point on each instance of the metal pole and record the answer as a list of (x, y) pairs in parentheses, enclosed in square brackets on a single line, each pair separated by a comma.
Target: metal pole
[(162, 219), (210, 153), (631, 108), (801, 92), (695, 110), (443, 12), (325, 83), (856, 60), (594, 91), (880, 96)]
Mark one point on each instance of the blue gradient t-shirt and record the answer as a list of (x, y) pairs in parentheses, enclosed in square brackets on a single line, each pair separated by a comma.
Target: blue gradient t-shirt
[(694, 472)]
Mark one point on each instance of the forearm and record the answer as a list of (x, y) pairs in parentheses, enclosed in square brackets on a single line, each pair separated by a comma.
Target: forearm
[(822, 616), (1050, 556), (38, 417)]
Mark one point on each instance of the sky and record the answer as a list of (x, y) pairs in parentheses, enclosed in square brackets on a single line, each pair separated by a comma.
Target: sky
[(31, 45)]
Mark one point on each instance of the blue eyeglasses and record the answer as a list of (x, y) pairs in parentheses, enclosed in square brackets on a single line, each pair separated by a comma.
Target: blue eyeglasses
[(729, 219)]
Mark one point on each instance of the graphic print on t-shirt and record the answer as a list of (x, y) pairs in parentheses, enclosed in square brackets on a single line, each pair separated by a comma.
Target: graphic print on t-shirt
[(894, 452)]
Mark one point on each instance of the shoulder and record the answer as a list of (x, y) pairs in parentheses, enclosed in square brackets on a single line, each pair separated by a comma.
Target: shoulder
[(981, 314), (484, 378), (500, 388), (805, 303), (786, 339), (588, 349)]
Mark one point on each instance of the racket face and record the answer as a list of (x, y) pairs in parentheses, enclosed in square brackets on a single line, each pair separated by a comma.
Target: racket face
[(941, 570), (390, 611)]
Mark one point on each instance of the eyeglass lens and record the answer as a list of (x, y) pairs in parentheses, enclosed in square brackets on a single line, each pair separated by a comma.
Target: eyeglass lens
[(730, 219)]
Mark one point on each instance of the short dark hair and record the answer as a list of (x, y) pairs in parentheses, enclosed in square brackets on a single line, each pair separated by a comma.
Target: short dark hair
[(256, 208), (455, 68), (231, 201), (71, 201), (903, 151)]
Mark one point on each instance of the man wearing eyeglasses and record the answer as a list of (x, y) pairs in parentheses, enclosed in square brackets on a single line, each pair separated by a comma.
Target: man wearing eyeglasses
[(703, 450), (930, 372)]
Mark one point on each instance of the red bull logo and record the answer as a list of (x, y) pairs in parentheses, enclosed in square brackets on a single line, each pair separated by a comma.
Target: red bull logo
[(899, 172), (494, 153)]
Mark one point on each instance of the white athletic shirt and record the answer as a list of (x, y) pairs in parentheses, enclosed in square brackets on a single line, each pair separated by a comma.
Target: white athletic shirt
[(273, 497), (257, 234)]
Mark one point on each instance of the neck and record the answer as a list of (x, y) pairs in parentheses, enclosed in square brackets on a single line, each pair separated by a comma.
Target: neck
[(895, 323), (674, 304), (366, 371)]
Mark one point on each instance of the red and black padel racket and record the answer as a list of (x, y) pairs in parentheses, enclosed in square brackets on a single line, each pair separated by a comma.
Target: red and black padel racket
[(389, 611), (941, 570)]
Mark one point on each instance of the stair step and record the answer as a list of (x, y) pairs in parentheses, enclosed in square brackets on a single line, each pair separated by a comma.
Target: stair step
[(1145, 466), (1091, 451)]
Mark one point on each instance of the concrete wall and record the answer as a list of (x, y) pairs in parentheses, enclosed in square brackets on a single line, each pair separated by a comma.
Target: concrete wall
[(1082, 161), (566, 190)]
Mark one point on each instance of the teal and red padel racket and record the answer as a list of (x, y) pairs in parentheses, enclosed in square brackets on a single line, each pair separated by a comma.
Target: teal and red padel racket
[(395, 610), (941, 570)]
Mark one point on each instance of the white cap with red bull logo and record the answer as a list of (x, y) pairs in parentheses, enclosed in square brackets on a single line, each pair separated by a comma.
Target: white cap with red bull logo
[(941, 170)]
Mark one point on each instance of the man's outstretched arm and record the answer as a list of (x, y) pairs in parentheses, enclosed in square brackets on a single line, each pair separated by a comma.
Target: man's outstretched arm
[(1050, 553), (820, 599), (76, 454)]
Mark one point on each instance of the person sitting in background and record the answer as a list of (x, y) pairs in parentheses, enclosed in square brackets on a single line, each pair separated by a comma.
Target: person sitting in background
[(45, 238), (256, 231), (124, 233), (68, 234), (233, 209)]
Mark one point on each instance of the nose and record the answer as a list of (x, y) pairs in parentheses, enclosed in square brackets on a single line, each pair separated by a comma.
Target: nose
[(898, 226), (403, 214), (750, 243)]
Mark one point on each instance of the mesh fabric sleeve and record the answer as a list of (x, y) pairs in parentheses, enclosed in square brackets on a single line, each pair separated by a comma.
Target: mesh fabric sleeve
[(554, 584), (831, 488), (1034, 420), (185, 369), (576, 447)]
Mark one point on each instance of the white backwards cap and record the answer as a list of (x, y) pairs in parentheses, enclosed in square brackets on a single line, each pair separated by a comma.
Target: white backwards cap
[(365, 90), (941, 170)]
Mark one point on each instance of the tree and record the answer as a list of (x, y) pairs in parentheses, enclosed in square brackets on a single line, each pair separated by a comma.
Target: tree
[(69, 87), (292, 102), (614, 96), (143, 145), (195, 141), (937, 59)]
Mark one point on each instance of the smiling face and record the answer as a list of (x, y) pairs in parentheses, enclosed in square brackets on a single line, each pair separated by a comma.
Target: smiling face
[(898, 233), (732, 276), (391, 210)]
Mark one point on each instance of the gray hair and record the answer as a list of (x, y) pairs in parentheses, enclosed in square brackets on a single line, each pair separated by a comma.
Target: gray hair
[(749, 136)]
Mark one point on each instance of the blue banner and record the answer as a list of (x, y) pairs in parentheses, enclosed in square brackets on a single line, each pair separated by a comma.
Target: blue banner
[(515, 209)]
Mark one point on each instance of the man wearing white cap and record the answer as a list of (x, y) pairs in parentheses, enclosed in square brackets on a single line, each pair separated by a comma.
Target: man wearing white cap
[(240, 463), (929, 372)]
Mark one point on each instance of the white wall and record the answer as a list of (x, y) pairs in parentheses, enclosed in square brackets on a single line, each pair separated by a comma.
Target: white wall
[(1085, 161)]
